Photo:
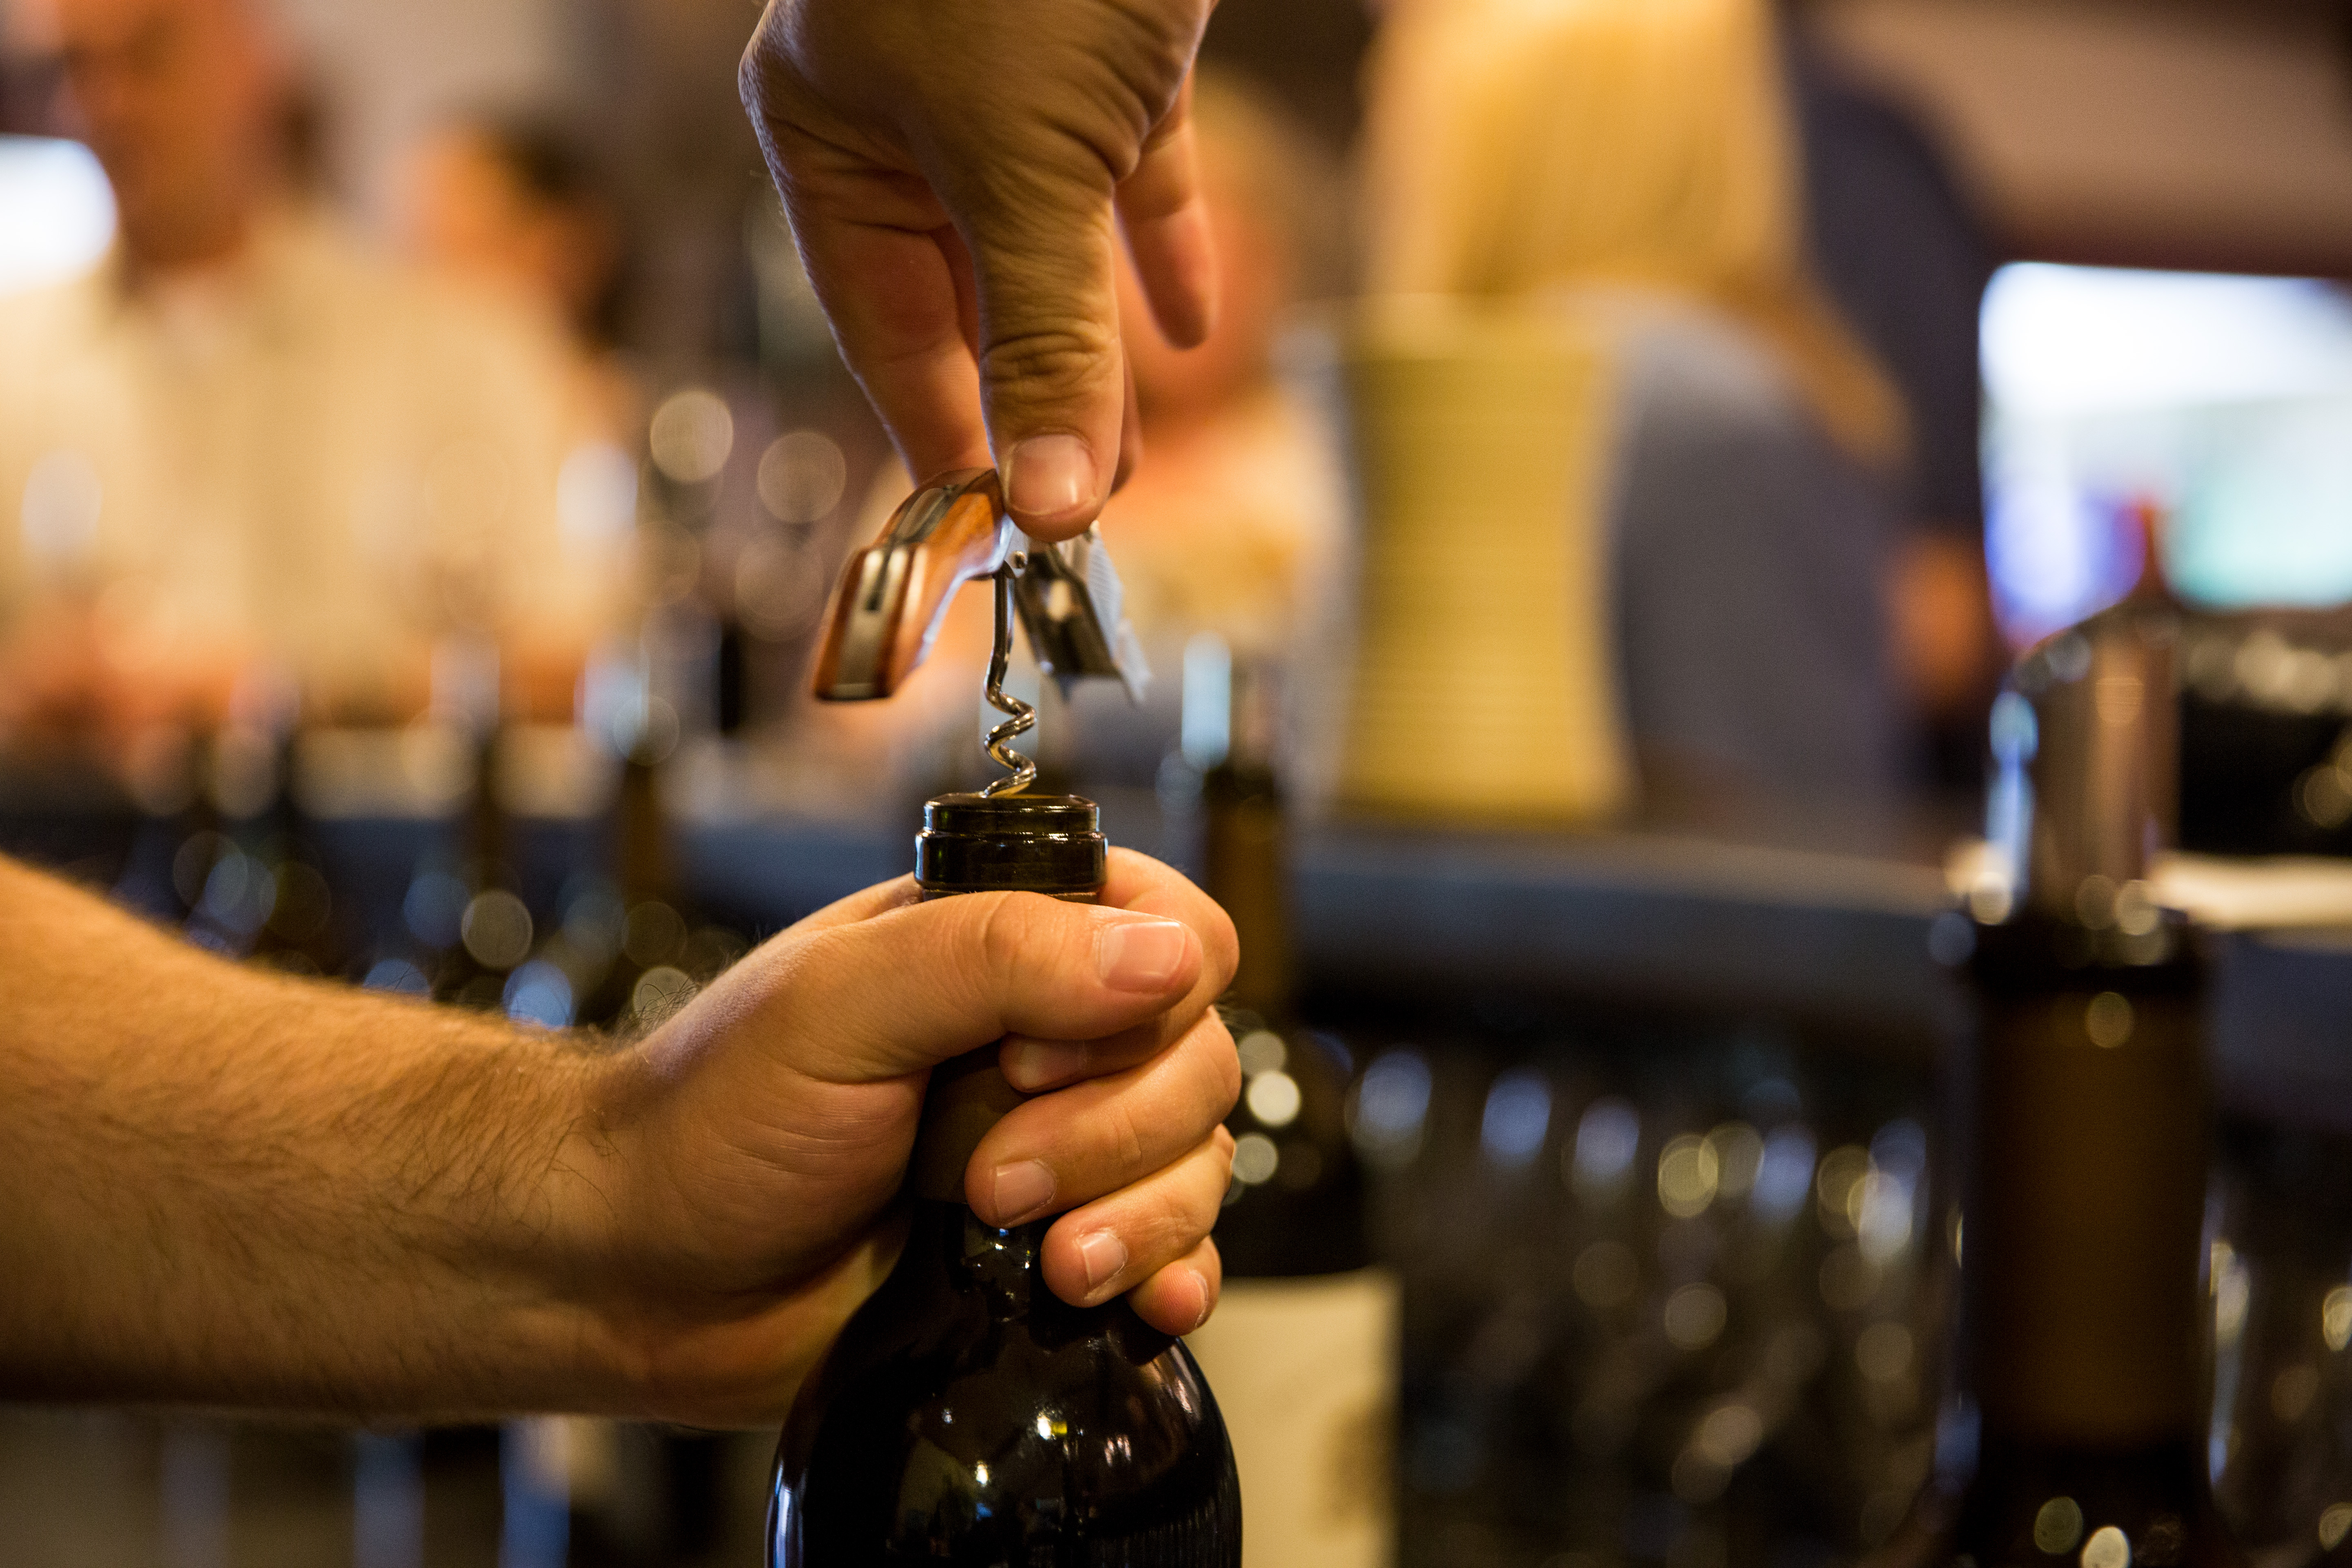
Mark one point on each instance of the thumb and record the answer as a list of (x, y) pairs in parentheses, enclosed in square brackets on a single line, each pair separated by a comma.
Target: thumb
[(884, 997), (1052, 372)]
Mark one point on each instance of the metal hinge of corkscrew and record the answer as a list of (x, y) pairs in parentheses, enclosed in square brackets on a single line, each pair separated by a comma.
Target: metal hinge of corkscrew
[(894, 594)]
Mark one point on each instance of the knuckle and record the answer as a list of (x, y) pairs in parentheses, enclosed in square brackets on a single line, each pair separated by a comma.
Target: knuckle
[(1123, 1138), (1212, 1266), (1222, 946), (1001, 931), (1194, 1206), (1064, 359), (1166, 1226), (1226, 1063), (1211, 1063), (751, 78)]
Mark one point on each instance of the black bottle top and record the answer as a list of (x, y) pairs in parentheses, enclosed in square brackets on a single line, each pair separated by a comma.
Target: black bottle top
[(1049, 843)]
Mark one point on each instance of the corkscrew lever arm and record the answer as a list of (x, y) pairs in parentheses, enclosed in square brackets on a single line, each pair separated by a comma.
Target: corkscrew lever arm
[(894, 593)]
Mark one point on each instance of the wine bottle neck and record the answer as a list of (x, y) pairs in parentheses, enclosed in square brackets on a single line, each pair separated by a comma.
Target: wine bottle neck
[(643, 861), (1001, 1266), (1024, 842), (486, 826), (2085, 1214), (1245, 864), (968, 1095)]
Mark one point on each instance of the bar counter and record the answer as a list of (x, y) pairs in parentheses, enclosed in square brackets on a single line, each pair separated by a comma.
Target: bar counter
[(1828, 926)]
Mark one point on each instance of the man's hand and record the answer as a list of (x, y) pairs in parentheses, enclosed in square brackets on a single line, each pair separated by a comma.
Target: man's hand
[(750, 1146), (234, 1189), (951, 169)]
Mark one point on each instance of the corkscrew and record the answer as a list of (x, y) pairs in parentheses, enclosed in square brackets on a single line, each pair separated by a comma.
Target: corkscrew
[(894, 595), (1020, 717)]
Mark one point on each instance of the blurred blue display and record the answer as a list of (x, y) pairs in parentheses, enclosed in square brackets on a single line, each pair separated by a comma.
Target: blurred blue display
[(2220, 406)]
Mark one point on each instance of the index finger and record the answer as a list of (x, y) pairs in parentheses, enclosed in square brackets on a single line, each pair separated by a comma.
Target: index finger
[(1167, 225)]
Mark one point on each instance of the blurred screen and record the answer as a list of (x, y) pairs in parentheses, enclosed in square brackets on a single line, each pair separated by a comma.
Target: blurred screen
[(2220, 407), (60, 214)]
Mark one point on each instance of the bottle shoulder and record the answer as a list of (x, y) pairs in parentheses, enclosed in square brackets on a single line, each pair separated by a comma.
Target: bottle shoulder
[(983, 1365), (938, 1429)]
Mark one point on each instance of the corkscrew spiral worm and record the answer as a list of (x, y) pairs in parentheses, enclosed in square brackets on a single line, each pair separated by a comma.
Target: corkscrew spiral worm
[(1020, 718)]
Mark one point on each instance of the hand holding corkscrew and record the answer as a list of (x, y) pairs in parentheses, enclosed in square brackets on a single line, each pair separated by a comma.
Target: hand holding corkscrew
[(895, 592)]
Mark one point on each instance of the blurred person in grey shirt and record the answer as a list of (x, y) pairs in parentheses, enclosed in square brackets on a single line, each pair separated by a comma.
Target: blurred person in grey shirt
[(1792, 605)]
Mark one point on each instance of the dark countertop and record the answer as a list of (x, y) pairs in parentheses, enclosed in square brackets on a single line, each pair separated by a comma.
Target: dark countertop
[(1658, 918)]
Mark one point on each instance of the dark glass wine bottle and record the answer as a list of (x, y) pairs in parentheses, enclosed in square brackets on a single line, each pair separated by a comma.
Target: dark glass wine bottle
[(464, 908), (1302, 1347), (658, 952), (302, 933), (178, 839), (2084, 1122), (968, 1415)]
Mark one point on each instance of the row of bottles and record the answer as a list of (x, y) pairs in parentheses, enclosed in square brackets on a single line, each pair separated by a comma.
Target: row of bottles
[(239, 863)]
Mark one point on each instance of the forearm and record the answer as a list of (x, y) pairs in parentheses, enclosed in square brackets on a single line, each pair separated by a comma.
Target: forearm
[(229, 1188), (226, 1188)]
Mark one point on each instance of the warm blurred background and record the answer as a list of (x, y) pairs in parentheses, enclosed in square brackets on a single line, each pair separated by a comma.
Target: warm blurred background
[(1640, 436)]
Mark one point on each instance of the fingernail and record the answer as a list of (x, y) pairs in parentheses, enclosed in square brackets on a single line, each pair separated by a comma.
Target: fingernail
[(1202, 1281), (1026, 1063), (1140, 955), (1020, 1192), (1104, 1255), (1048, 475)]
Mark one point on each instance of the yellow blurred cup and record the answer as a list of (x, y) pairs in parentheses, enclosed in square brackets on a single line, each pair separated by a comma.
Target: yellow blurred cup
[(1471, 670)]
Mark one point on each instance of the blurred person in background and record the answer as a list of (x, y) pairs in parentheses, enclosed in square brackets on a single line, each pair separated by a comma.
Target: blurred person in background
[(1786, 620), (515, 204), (1902, 252), (242, 440), (1236, 506)]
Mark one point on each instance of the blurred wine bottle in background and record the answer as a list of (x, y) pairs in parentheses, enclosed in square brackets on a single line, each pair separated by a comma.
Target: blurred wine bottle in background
[(1302, 1349), (227, 852), (662, 954), (2084, 1115), (968, 1415), (467, 906), (302, 930), (178, 837), (630, 947)]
